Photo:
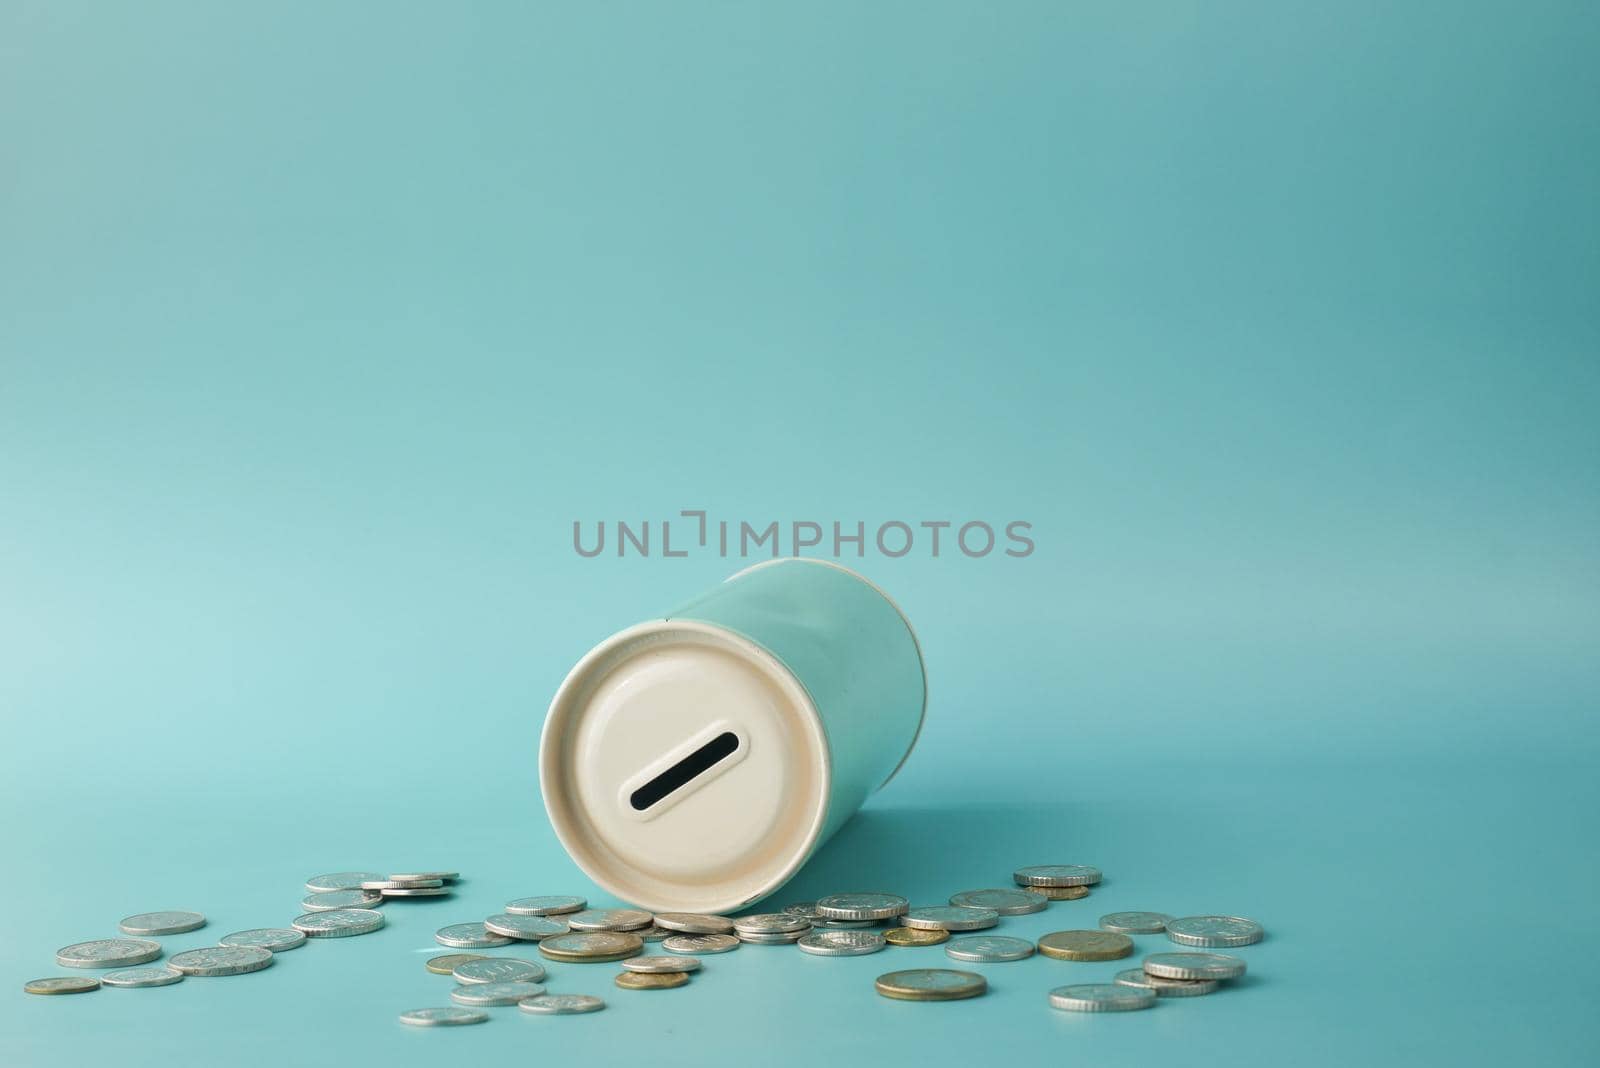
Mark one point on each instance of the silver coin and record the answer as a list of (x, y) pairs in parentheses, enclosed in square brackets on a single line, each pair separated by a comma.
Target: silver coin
[(770, 923), (549, 905), (340, 880), (162, 923), (841, 943), (338, 923), (950, 918), (442, 1017), (63, 984), (1101, 997), (277, 939), (561, 1004), (1005, 902), (425, 876), (805, 909), (469, 936), (388, 883), (108, 953), (652, 965), (694, 923), (988, 949), (417, 891), (1193, 966), (503, 993), (1057, 875), (822, 924), (221, 960), (328, 900), (609, 919), (693, 943), (779, 938), (867, 906), (1135, 922), (525, 928), (498, 970), (1165, 988), (652, 933), (1215, 931), (157, 975)]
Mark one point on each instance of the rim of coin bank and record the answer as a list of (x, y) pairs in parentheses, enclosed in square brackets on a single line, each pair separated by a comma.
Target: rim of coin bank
[(584, 822)]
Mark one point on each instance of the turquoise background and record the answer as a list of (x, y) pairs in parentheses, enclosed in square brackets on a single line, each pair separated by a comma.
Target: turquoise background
[(321, 323)]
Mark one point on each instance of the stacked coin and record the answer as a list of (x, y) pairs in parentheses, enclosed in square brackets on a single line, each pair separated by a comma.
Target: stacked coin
[(771, 928), (656, 973)]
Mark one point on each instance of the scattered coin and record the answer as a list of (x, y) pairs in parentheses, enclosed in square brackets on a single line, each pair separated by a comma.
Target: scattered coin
[(328, 900), (931, 984), (498, 970), (426, 877), (989, 949), (911, 936), (650, 980), (609, 919), (162, 923), (525, 928), (1061, 893), (508, 992), (561, 1004), (1085, 945), (841, 943), (549, 905), (108, 953), (1005, 902), (1135, 922), (1194, 966), (823, 924), (872, 906), (277, 939), (1166, 988), (221, 960), (804, 909), (402, 884), (157, 975), (469, 936), (417, 891), (66, 984), (1057, 875), (1215, 931), (661, 964), (694, 923), (446, 964), (340, 880), (442, 1017), (1101, 997), (778, 938), (950, 918), (592, 947), (696, 943), (338, 923), (770, 923)]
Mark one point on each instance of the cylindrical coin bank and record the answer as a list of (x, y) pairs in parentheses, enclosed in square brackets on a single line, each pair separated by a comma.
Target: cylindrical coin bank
[(695, 762)]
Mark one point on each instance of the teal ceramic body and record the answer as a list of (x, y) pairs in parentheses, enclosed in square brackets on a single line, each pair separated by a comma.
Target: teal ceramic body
[(695, 761)]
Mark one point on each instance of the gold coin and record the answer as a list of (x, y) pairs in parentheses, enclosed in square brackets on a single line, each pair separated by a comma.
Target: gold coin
[(651, 980), (446, 964), (1085, 945), (931, 984), (910, 936), (592, 947), (1061, 893)]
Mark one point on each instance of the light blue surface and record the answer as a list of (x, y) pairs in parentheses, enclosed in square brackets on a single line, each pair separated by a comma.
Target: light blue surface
[(321, 324)]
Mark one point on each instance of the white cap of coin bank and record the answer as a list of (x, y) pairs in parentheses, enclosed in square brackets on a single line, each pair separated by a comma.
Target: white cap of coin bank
[(694, 762)]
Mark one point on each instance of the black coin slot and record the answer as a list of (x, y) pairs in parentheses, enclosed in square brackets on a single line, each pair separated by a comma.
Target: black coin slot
[(685, 771)]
